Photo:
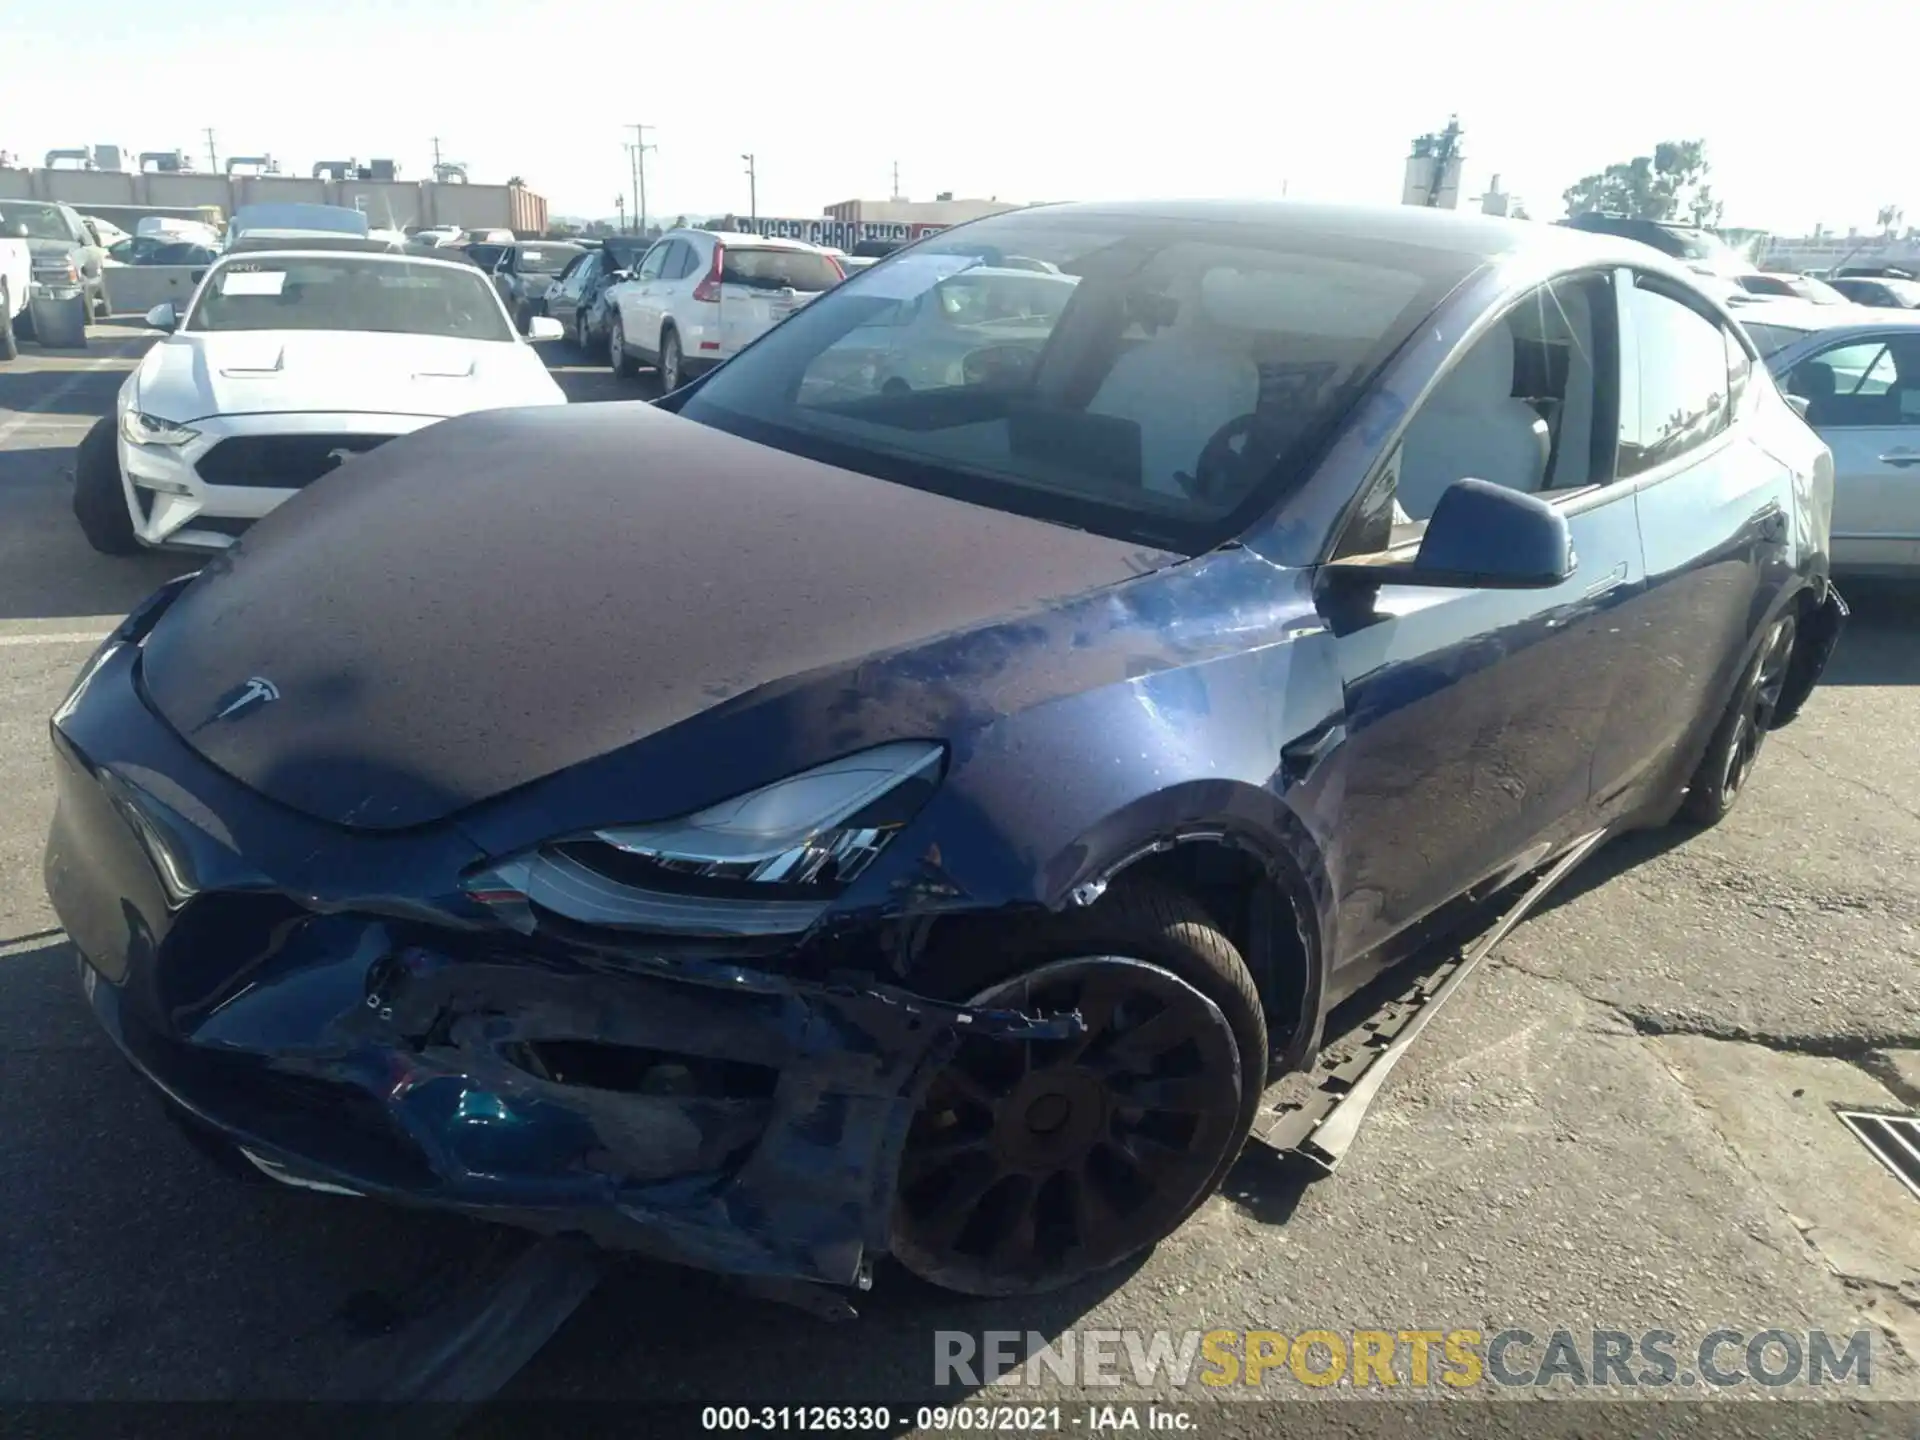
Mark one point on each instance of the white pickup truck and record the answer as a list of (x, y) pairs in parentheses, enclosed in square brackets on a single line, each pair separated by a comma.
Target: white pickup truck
[(16, 282)]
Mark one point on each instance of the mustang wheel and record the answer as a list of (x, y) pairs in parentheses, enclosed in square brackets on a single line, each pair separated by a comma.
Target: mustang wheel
[(99, 499), (1730, 756), (1032, 1164)]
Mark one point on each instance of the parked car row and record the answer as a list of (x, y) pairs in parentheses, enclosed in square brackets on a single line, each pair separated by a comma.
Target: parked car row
[(905, 792)]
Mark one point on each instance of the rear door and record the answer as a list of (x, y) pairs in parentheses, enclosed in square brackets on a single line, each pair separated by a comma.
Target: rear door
[(1863, 397), (760, 287), (1715, 517)]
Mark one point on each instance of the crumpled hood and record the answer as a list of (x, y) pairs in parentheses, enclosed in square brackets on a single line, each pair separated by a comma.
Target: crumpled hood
[(500, 597), (190, 376)]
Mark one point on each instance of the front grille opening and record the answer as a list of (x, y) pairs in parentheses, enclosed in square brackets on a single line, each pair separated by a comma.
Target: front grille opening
[(281, 462), (1894, 1141), (638, 1070)]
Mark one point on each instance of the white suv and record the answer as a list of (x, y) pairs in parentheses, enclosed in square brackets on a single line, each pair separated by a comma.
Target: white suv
[(698, 296)]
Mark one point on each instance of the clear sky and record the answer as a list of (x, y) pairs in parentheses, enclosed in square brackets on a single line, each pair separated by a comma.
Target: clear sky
[(1034, 101)]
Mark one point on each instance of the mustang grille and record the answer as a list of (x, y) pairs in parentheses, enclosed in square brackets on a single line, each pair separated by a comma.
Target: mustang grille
[(281, 462)]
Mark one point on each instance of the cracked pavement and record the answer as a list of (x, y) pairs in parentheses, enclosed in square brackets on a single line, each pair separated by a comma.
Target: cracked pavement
[(1624, 1120)]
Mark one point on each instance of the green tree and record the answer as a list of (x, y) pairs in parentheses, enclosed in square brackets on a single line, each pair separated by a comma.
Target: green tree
[(1670, 184)]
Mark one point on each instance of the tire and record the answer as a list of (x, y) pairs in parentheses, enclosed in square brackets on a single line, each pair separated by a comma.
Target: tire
[(624, 365), (99, 498), (9, 342), (523, 317), (582, 339), (673, 365), (1735, 747), (1031, 1165)]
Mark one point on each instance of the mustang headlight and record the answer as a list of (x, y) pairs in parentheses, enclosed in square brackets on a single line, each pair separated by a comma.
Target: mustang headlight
[(142, 429), (764, 863)]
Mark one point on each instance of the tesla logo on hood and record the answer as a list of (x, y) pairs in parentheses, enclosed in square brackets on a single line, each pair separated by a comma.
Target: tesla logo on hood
[(257, 691)]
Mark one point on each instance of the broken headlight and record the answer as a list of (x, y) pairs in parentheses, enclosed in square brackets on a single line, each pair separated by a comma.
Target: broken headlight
[(764, 863)]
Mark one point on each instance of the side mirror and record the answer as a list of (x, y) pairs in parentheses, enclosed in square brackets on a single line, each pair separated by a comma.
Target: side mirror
[(1802, 404), (544, 327), (163, 316), (1482, 537)]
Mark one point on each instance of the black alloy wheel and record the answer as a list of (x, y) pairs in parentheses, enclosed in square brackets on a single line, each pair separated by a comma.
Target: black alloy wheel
[(1735, 747), (1031, 1164)]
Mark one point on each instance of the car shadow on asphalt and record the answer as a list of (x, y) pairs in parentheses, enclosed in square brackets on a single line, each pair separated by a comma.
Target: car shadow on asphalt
[(1881, 643)]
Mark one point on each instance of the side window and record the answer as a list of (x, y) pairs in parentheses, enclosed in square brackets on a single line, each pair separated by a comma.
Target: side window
[(1527, 406), (1860, 383), (686, 260), (650, 267), (572, 272), (1679, 359)]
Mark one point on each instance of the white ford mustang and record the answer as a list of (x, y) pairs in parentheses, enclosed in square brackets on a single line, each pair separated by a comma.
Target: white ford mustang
[(288, 363)]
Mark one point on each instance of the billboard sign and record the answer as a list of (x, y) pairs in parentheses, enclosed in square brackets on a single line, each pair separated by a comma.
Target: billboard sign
[(841, 234)]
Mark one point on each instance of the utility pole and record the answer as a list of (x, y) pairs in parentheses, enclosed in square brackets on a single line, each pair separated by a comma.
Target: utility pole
[(753, 190), (621, 201), (896, 180), (213, 161), (637, 152), (436, 154)]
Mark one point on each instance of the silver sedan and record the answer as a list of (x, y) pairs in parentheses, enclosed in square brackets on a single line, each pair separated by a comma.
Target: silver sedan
[(1856, 373)]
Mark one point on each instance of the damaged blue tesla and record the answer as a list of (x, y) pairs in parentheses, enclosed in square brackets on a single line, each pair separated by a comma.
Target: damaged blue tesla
[(907, 792)]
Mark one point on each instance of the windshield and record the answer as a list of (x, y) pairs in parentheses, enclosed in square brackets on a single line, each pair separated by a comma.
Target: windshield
[(778, 269), (42, 222), (346, 292), (1157, 389), (547, 259)]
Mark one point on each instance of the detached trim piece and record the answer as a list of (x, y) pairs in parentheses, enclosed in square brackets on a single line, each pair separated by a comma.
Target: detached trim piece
[(1322, 1130), (1893, 1140)]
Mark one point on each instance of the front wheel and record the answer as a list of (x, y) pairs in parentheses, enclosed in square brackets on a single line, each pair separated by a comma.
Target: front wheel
[(99, 498), (1032, 1164), (623, 364), (582, 340), (1728, 763), (9, 342)]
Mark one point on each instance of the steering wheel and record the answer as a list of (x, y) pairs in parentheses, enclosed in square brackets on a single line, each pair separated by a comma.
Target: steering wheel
[(1221, 458)]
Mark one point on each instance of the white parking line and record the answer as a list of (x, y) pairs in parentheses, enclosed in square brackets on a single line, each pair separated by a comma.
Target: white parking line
[(69, 637), (53, 397)]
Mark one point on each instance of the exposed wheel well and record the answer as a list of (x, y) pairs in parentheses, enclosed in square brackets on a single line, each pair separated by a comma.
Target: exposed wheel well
[(1266, 918)]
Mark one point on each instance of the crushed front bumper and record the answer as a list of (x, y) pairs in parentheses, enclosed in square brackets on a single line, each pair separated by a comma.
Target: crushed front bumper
[(319, 998)]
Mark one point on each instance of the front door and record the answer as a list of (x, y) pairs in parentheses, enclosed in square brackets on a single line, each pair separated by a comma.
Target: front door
[(1863, 396), (1473, 716)]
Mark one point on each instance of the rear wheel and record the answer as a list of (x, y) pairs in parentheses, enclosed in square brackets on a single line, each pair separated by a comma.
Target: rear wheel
[(9, 342), (582, 341), (99, 498), (624, 364), (1032, 1164), (672, 366), (1729, 761)]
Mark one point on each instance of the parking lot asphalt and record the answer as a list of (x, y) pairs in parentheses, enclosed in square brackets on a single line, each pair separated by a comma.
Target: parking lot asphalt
[(1623, 1121)]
